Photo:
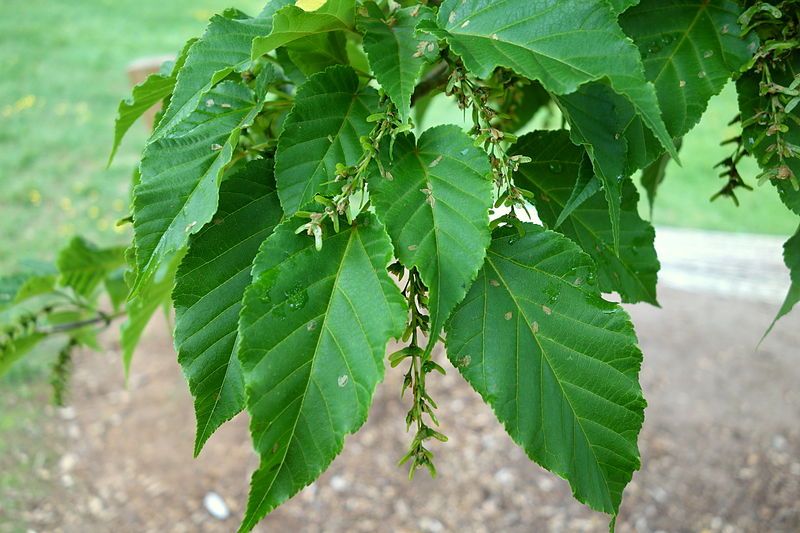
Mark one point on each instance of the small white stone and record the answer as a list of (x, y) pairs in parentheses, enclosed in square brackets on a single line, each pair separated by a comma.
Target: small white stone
[(216, 506), (504, 476), (67, 462), (431, 525), (338, 483)]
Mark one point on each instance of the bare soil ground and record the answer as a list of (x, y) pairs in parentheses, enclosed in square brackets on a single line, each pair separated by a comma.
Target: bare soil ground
[(720, 448)]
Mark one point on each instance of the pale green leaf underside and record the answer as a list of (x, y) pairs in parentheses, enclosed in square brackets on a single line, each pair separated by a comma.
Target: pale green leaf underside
[(324, 128), (83, 266), (144, 96), (153, 293), (552, 176), (291, 23), (557, 363), (436, 209), (563, 44), (179, 186), (313, 333), (393, 50), (208, 291), (224, 48)]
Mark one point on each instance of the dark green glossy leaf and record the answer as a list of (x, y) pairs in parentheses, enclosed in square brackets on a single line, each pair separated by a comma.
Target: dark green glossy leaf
[(435, 203), (180, 175), (324, 128), (313, 334), (552, 177), (223, 49), (558, 364), (208, 291), (690, 49), (563, 44), (394, 51)]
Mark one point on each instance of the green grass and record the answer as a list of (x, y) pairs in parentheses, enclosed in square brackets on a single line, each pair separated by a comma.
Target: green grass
[(64, 72), (683, 199)]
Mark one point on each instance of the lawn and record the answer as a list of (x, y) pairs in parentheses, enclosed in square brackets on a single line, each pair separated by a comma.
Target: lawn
[(64, 72)]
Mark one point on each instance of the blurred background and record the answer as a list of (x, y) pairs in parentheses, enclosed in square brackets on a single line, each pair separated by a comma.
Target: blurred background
[(721, 448)]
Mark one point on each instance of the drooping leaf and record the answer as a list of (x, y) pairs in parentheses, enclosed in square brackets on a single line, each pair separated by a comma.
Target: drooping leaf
[(594, 121), (208, 291), (315, 53), (153, 293), (180, 175), (653, 175), (563, 44), (83, 266), (14, 347), (144, 96), (586, 186), (324, 128), (558, 364), (392, 46), (435, 202), (690, 50), (292, 22), (552, 177), (223, 49), (791, 256), (313, 333), (28, 283)]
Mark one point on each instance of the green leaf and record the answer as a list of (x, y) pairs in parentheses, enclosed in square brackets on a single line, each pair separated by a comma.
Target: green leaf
[(324, 128), (435, 202), (558, 364), (315, 53), (552, 177), (116, 287), (144, 96), (653, 175), (563, 44), (180, 176), (313, 334), (791, 256), (621, 5), (689, 49), (153, 293), (83, 266), (594, 120), (208, 291), (393, 49), (223, 49), (14, 347), (291, 23)]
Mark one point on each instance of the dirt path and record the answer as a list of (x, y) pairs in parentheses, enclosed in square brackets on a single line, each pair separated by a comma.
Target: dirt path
[(720, 447)]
